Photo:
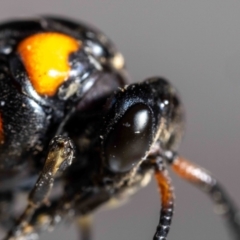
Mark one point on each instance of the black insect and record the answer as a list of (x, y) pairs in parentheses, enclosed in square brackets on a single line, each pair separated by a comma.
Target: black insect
[(66, 81)]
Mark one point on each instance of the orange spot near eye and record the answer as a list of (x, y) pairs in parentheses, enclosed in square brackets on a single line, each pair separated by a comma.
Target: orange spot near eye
[(1, 131), (45, 57)]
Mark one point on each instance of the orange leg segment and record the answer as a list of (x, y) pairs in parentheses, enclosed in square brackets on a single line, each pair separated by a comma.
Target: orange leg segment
[(192, 172), (205, 181), (167, 197)]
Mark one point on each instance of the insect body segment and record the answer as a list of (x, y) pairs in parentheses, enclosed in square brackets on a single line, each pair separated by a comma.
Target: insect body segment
[(23, 122), (66, 81), (45, 70)]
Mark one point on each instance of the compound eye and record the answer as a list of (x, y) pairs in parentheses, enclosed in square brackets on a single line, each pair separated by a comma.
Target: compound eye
[(129, 140)]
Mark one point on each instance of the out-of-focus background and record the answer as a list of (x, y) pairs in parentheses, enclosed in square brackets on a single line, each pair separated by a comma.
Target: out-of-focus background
[(195, 44)]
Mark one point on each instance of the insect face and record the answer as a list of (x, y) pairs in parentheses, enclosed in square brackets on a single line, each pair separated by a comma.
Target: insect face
[(66, 81)]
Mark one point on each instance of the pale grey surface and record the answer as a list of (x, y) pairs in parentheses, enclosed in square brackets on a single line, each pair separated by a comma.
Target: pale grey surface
[(196, 44)]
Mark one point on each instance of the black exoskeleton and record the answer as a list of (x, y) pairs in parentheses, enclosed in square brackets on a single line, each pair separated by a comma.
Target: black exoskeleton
[(69, 120)]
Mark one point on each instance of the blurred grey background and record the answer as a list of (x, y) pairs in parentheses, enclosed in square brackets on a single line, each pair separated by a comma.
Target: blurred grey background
[(195, 44)]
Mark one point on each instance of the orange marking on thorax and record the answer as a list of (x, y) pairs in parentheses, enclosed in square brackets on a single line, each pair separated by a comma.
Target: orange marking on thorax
[(45, 57), (1, 131)]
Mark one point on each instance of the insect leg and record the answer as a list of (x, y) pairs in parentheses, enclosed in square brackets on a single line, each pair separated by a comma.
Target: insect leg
[(206, 182), (59, 157), (167, 198), (42, 220), (47, 217), (84, 224)]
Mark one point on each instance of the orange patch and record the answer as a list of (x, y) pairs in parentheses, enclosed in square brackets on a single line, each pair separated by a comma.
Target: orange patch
[(45, 57), (1, 131)]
